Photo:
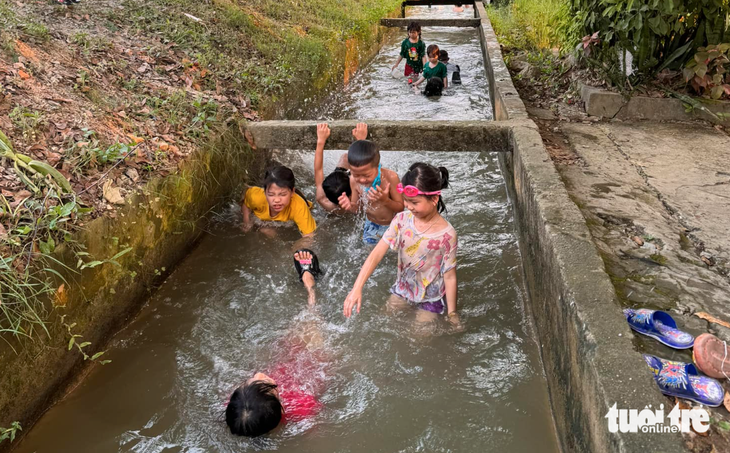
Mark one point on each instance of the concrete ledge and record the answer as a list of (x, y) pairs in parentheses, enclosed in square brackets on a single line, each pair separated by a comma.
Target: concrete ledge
[(390, 135), (606, 104), (403, 22), (505, 100), (435, 2), (586, 347)]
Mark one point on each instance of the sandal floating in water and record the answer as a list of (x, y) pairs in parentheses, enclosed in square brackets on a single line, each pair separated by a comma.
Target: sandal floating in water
[(311, 266), (660, 326), (683, 381), (712, 356)]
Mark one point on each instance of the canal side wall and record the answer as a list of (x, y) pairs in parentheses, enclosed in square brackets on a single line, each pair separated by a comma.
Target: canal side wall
[(585, 343), (161, 225)]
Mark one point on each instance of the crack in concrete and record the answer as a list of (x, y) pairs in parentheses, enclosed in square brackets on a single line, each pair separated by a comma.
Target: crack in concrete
[(698, 243)]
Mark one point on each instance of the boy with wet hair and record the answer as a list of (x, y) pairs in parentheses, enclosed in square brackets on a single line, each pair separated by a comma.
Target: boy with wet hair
[(378, 185), (336, 185)]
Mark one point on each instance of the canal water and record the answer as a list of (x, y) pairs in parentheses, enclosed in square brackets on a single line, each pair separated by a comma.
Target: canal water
[(234, 306)]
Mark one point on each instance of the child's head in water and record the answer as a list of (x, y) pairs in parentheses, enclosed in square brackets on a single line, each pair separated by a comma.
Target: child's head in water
[(434, 87), (421, 188), (363, 156), (255, 407), (279, 188), (335, 184)]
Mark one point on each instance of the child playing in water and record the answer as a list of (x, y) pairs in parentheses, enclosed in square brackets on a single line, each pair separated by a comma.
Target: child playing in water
[(287, 394), (337, 184), (379, 186), (426, 245), (434, 68), (280, 201), (453, 71), (413, 50)]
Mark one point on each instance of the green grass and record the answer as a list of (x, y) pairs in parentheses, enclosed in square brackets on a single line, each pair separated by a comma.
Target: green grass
[(535, 24), (261, 46)]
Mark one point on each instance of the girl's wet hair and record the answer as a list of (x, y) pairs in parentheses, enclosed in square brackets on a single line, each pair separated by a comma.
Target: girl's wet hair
[(414, 26), (434, 87), (335, 184), (253, 410), (363, 152), (427, 178), (433, 48), (283, 177)]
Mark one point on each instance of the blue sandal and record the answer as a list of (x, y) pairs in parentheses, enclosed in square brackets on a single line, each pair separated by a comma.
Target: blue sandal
[(683, 381), (660, 326)]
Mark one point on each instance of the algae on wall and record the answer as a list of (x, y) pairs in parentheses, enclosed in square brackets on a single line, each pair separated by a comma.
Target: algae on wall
[(160, 224)]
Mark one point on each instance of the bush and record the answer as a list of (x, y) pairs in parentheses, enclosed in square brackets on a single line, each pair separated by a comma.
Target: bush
[(707, 72), (535, 24), (658, 34)]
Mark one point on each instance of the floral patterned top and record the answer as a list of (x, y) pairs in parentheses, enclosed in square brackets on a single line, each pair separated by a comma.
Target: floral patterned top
[(423, 259)]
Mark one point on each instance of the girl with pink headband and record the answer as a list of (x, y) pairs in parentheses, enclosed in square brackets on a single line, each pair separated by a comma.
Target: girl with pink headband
[(426, 244)]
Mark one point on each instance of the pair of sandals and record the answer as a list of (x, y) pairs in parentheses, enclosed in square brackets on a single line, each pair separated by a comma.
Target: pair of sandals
[(680, 379), (307, 265)]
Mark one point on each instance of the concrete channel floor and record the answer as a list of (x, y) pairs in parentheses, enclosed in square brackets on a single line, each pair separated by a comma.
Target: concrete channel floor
[(656, 198)]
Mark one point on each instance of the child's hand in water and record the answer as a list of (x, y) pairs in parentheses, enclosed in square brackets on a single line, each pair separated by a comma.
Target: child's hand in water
[(354, 299), (323, 132), (379, 193), (456, 322), (360, 132), (344, 202), (246, 226)]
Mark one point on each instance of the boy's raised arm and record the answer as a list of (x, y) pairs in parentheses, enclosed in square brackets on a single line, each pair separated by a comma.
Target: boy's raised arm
[(323, 133)]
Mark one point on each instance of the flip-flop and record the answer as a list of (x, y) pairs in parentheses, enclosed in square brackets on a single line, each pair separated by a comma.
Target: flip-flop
[(311, 266), (684, 381), (712, 356), (660, 326)]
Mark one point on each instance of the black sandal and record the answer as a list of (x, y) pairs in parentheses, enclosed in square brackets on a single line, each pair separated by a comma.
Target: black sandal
[(311, 266)]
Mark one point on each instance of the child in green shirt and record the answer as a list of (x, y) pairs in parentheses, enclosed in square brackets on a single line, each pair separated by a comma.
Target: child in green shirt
[(434, 68), (413, 50)]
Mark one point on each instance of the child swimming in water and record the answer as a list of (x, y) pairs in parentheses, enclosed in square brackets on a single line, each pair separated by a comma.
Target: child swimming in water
[(280, 201), (426, 244), (369, 177), (287, 392)]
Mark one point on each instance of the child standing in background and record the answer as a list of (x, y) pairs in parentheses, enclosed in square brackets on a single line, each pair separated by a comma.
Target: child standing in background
[(414, 51), (434, 68)]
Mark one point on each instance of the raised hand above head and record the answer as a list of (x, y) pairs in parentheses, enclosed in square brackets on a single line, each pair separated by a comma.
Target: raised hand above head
[(360, 132), (323, 132)]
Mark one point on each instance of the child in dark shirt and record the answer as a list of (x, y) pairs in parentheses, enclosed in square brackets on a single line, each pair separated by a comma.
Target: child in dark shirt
[(413, 50), (434, 68)]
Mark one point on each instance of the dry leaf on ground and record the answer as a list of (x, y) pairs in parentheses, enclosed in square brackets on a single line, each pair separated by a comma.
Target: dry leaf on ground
[(713, 319), (112, 194)]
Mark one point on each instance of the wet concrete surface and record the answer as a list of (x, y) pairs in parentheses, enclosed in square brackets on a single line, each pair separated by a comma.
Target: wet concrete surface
[(656, 197)]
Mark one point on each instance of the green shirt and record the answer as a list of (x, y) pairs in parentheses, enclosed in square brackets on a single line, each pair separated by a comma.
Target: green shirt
[(439, 71), (413, 53)]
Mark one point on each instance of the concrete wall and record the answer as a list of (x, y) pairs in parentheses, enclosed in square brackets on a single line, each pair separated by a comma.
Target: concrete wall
[(161, 224), (585, 343)]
